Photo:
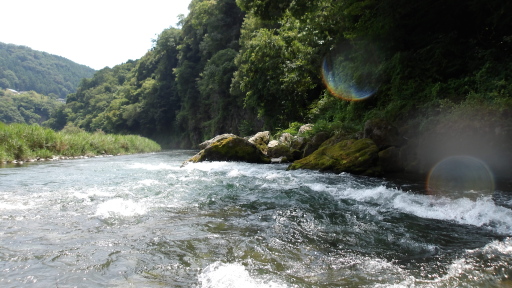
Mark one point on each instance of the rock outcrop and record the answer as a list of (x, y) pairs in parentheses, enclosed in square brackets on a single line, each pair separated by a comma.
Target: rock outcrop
[(314, 143), (381, 149), (230, 148), (261, 140), (375, 152), (351, 156), (215, 139), (383, 133)]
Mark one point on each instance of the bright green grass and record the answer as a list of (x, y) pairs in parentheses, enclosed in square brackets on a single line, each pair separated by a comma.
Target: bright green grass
[(23, 142)]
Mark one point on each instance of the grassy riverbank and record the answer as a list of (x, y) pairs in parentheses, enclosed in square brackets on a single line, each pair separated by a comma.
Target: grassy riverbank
[(22, 142)]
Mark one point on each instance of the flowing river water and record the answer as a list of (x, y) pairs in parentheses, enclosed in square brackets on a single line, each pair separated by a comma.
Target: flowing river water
[(142, 221)]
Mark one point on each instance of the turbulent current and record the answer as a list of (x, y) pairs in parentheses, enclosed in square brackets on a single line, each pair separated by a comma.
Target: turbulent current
[(142, 221)]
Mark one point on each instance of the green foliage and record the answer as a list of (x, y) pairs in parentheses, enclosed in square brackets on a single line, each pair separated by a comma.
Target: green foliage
[(220, 107), (293, 128), (25, 142), (433, 50), (24, 69), (242, 70), (210, 40), (272, 10), (278, 72), (27, 107)]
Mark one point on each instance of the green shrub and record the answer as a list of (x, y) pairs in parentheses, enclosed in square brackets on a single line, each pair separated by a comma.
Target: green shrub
[(292, 129), (24, 142)]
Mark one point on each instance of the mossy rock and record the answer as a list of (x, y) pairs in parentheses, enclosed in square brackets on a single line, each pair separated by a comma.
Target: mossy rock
[(231, 149), (281, 150), (315, 142), (214, 139), (261, 140), (351, 156)]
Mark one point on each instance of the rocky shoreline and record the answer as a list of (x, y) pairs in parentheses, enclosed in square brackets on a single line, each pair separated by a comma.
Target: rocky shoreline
[(380, 150), (53, 158)]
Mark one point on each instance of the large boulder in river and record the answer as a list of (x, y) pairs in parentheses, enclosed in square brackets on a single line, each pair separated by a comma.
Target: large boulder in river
[(281, 151), (232, 148), (351, 156), (383, 133), (261, 140), (288, 148), (286, 138), (314, 143), (214, 139)]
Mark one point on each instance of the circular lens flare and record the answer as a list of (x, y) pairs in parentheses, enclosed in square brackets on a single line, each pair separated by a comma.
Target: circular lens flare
[(460, 176), (351, 71)]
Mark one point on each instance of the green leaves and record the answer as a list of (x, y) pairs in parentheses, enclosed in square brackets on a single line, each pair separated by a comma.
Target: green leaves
[(258, 65), (24, 69), (27, 107)]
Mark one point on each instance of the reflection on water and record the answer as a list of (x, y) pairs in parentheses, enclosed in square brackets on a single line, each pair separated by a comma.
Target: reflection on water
[(143, 221)]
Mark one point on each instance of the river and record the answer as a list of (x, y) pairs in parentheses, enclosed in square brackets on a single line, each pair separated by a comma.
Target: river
[(142, 221)]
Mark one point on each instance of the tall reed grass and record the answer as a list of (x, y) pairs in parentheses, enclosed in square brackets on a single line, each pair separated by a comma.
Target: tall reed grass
[(23, 142)]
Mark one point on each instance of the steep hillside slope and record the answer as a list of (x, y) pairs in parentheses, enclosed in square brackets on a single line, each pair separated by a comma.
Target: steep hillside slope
[(25, 69)]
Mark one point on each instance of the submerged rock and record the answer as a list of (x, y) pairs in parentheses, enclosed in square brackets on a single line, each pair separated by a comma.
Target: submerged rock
[(351, 156), (231, 148)]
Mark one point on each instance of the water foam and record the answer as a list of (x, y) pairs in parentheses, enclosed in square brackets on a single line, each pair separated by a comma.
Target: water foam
[(90, 192), (481, 213), (147, 182), (208, 166), (152, 167), (474, 269), (234, 173), (232, 275), (15, 206), (120, 207)]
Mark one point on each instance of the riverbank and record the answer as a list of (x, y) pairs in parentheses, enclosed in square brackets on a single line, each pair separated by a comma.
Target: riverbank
[(29, 143), (474, 148)]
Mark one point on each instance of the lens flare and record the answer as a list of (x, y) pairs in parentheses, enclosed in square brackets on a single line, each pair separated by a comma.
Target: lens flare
[(460, 176), (351, 71)]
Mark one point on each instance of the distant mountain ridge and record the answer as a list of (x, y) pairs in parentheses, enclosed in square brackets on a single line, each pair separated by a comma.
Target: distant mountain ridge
[(25, 69)]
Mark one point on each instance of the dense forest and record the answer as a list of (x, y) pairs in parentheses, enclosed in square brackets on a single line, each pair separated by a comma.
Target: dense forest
[(249, 65), (27, 107), (24, 69)]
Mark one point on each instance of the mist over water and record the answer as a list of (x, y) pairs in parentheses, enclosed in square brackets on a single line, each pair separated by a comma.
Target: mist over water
[(142, 221)]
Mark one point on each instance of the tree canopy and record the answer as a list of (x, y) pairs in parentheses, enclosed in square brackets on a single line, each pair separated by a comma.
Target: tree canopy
[(246, 65), (27, 107), (24, 69)]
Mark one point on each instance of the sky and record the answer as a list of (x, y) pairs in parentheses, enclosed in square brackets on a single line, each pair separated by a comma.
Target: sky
[(95, 33)]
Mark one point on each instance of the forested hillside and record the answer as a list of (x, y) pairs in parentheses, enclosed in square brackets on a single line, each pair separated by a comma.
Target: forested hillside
[(248, 65), (24, 69), (27, 107)]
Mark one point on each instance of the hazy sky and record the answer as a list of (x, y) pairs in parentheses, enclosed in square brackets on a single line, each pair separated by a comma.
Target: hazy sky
[(96, 33)]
